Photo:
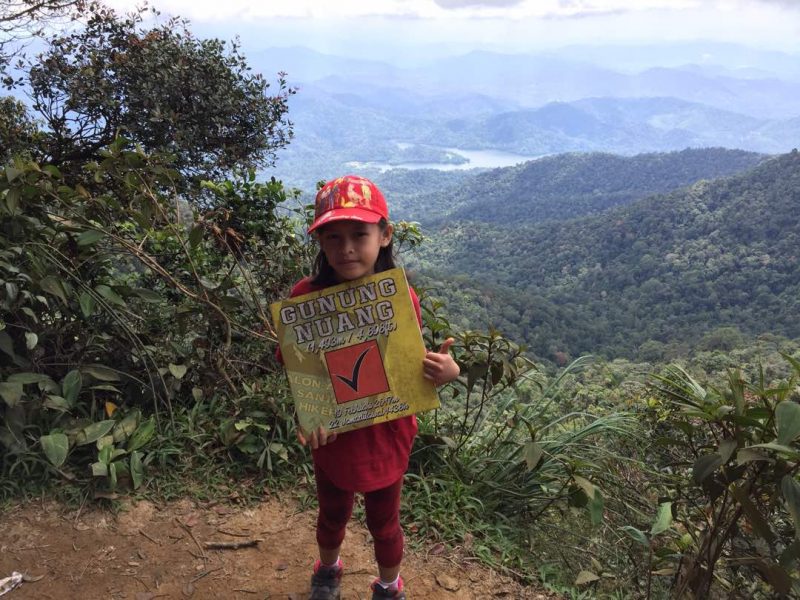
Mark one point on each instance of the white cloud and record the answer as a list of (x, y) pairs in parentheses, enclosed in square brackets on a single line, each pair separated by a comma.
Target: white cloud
[(480, 3), (312, 9), (793, 4), (324, 9), (512, 9), (349, 26)]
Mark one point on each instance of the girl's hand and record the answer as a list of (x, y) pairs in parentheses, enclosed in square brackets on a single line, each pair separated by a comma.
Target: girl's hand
[(320, 437), (439, 366)]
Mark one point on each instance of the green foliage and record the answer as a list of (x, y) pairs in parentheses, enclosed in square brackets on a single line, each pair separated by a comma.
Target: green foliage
[(136, 352), (501, 455), (733, 455), (161, 87), (407, 236), (17, 131), (422, 194), (124, 303)]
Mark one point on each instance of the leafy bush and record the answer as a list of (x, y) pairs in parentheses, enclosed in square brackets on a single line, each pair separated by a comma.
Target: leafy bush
[(732, 456), (501, 455), (126, 301)]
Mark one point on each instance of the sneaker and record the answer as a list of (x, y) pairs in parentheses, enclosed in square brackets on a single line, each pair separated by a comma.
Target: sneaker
[(326, 582), (379, 592)]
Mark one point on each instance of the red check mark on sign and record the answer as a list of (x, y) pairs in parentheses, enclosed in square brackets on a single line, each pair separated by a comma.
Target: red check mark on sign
[(353, 381), (356, 371)]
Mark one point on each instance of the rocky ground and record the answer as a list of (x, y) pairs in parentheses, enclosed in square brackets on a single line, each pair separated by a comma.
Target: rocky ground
[(148, 550)]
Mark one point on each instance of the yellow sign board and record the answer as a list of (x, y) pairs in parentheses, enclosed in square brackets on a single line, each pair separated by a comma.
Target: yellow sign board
[(353, 353)]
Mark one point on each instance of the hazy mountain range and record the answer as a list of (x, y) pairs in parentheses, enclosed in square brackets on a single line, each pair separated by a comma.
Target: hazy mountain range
[(725, 76), (364, 114)]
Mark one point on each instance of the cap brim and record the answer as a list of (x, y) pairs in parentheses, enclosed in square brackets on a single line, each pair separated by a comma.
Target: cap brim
[(345, 214)]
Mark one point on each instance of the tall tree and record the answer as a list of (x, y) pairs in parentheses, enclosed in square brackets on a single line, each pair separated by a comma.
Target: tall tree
[(159, 86)]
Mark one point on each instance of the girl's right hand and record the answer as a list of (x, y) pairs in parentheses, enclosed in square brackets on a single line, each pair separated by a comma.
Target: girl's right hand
[(317, 438), (439, 366)]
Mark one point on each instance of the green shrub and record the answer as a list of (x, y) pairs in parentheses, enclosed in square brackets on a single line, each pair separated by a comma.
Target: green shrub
[(119, 298), (732, 454), (502, 455)]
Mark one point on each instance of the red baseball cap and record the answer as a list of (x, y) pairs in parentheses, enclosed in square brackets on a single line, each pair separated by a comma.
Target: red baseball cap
[(350, 197)]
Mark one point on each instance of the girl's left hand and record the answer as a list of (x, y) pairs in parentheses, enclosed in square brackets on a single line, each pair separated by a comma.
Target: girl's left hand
[(317, 438), (439, 366)]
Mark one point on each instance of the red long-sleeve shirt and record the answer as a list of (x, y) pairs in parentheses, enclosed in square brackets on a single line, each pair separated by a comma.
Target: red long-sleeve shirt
[(369, 458)]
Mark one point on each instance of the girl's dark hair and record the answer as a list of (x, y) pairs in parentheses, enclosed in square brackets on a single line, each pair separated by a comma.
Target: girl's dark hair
[(324, 275)]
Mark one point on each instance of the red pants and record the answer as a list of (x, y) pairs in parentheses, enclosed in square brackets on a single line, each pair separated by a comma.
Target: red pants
[(383, 518)]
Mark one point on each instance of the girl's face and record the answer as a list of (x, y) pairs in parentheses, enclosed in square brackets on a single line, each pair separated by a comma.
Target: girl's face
[(352, 247)]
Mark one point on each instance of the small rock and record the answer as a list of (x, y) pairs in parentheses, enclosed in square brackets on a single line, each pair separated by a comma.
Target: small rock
[(449, 583), (191, 519), (437, 549)]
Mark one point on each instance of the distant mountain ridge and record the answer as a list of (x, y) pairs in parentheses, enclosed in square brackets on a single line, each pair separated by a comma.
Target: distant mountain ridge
[(619, 125), (331, 131), (661, 271), (532, 80), (702, 53), (567, 186)]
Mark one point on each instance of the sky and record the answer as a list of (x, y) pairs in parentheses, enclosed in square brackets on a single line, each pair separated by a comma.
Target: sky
[(386, 28)]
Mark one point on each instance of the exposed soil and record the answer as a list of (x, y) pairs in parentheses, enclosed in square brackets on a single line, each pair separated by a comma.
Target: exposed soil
[(158, 551)]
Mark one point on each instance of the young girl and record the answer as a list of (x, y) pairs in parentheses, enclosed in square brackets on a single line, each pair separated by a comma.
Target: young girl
[(351, 223)]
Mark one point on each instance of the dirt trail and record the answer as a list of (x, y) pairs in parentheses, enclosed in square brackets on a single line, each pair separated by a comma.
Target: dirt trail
[(152, 551)]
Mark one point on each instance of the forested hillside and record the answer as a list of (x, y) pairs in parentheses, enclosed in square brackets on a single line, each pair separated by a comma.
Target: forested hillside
[(556, 187), (664, 270)]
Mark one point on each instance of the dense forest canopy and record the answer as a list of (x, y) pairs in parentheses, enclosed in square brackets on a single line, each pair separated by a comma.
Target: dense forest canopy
[(665, 269), (556, 187)]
